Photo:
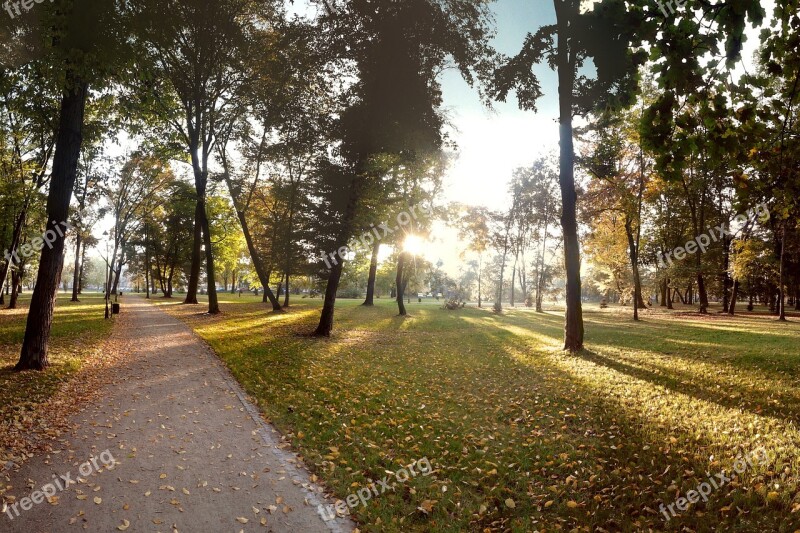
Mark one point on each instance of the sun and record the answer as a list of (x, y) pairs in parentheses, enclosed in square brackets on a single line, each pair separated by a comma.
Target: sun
[(414, 244)]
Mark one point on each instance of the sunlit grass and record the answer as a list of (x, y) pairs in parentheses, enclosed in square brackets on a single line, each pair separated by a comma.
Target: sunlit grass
[(524, 437)]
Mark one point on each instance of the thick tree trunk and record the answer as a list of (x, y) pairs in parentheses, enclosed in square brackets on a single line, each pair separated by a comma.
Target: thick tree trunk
[(329, 305), (33, 355), (286, 296), (373, 274), (325, 326), (573, 326)]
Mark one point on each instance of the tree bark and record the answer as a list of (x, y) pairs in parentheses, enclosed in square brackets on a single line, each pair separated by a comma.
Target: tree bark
[(33, 355), (77, 274), (194, 271), (213, 303), (400, 282), (782, 280), (734, 296), (83, 263), (373, 274), (255, 256), (16, 284), (573, 323)]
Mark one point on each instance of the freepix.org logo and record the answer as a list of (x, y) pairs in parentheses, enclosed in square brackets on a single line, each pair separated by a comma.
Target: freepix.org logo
[(17, 7)]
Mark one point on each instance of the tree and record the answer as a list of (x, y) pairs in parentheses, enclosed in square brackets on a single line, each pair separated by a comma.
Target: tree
[(191, 72), (602, 35), (398, 49), (87, 42), (474, 228)]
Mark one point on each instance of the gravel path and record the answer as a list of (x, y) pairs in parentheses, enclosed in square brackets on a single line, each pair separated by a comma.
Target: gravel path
[(190, 453)]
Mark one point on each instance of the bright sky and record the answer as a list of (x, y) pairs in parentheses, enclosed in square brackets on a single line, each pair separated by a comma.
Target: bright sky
[(493, 143)]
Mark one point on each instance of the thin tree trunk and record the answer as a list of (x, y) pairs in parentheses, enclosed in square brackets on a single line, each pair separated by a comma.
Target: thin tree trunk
[(15, 240), (213, 303), (400, 282), (16, 287), (734, 296), (782, 278), (33, 355), (83, 263), (194, 271), (255, 256), (373, 274), (77, 274), (480, 273)]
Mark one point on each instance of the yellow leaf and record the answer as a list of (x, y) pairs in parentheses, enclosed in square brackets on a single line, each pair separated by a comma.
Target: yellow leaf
[(510, 503), (242, 520), (124, 526)]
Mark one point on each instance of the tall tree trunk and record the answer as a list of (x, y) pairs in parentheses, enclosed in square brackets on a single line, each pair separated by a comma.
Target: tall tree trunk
[(480, 274), (373, 274), (726, 278), (573, 323), (33, 355), (325, 325), (213, 303), (734, 296), (540, 272), (16, 236), (286, 296), (782, 278), (255, 256), (77, 274), (513, 278), (400, 282), (329, 305), (83, 263), (633, 251), (16, 286), (197, 243)]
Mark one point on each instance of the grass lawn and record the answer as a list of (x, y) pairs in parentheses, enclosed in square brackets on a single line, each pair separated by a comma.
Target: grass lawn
[(523, 437), (77, 328)]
